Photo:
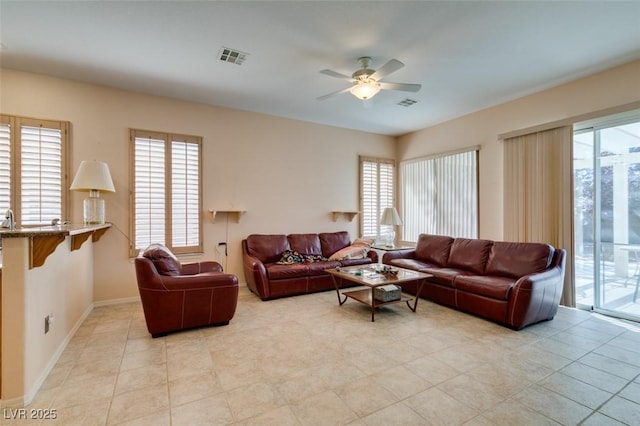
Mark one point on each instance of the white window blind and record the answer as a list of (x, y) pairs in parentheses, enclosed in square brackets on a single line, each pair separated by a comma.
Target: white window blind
[(440, 195), (33, 175), (167, 194), (377, 191)]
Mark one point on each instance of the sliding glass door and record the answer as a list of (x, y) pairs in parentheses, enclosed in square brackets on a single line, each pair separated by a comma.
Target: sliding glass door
[(606, 170)]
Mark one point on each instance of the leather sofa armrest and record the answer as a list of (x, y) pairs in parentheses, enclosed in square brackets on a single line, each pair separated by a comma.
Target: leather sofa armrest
[(536, 297), (409, 253), (256, 275), (198, 281), (199, 267)]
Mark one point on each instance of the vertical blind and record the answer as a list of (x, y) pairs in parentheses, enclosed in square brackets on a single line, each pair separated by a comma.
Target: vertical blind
[(33, 169), (440, 195), (167, 191), (377, 191)]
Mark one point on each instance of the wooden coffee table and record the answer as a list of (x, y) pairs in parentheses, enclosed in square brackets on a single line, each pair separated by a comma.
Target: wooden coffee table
[(368, 275)]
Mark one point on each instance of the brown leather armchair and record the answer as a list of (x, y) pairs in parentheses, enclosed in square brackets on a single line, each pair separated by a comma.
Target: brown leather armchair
[(179, 296)]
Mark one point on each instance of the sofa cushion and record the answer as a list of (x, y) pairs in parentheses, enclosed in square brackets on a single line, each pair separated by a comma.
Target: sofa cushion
[(305, 243), (352, 262), (516, 260), (319, 268), (413, 264), (267, 248), (433, 248), (445, 276), (331, 242), (469, 254), (495, 287), (163, 259), (278, 272)]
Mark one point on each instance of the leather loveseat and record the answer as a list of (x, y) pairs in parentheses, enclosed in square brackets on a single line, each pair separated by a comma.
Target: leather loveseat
[(179, 296), (269, 277), (514, 284)]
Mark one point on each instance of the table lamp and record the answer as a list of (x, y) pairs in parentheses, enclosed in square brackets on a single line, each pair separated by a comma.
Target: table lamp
[(391, 217), (93, 176)]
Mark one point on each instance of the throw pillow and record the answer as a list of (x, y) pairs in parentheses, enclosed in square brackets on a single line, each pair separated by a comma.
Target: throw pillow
[(290, 257), (166, 263), (364, 241), (358, 251)]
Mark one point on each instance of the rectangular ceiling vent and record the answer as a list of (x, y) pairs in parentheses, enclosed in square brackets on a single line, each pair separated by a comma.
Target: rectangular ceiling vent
[(407, 102), (232, 56)]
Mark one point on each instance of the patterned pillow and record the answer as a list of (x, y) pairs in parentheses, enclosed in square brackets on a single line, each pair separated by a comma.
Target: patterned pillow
[(311, 258), (290, 257)]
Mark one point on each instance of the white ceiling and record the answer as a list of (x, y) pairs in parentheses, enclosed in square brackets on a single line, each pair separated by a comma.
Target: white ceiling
[(466, 55)]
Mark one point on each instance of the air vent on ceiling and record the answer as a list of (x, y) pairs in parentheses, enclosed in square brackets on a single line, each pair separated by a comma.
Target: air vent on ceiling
[(407, 102), (232, 56)]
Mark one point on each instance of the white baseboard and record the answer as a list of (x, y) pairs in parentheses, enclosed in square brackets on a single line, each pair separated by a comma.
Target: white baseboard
[(111, 302)]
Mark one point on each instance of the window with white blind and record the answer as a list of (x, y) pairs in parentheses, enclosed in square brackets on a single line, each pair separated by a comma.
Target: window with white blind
[(167, 202), (377, 191), (440, 195), (33, 175)]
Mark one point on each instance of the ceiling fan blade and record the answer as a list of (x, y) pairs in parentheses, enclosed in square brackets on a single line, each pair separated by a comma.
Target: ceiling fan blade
[(405, 87), (391, 66), (332, 94), (336, 75)]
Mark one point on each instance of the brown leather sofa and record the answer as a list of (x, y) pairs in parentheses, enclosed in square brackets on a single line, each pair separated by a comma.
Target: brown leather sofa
[(514, 284), (179, 296), (269, 279)]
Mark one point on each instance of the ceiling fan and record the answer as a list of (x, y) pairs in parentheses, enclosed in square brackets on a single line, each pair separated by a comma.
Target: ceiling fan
[(366, 81)]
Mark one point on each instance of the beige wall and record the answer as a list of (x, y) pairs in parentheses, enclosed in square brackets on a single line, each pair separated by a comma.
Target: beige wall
[(615, 87), (62, 287), (288, 175)]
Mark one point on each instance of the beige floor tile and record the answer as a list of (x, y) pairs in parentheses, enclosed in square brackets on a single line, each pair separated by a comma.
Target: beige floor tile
[(514, 413), (598, 419), (398, 414), (208, 411), (323, 409), (610, 365), (365, 396), (281, 416), (138, 403), (141, 378), (306, 361), (575, 390), (622, 410), (438, 408), (553, 405), (253, 400), (471, 392), (401, 381), (594, 377), (192, 388)]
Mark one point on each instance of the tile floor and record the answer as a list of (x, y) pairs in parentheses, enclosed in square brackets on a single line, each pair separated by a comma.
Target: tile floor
[(307, 361)]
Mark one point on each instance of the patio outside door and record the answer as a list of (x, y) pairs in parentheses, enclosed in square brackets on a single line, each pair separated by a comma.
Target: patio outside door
[(606, 170)]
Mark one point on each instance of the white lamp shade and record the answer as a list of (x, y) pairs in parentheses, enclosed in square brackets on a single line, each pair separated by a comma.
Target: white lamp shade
[(93, 175), (390, 216)]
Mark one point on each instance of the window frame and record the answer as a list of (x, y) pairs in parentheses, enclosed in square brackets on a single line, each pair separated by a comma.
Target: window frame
[(169, 139), (380, 204), (15, 124)]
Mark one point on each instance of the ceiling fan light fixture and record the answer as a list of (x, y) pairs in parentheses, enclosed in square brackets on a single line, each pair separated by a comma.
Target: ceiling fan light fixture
[(365, 89)]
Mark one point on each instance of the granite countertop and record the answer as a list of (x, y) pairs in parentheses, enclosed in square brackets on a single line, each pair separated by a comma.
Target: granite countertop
[(49, 230)]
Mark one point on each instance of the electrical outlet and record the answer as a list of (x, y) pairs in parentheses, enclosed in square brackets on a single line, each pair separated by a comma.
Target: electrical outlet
[(222, 244), (47, 324)]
